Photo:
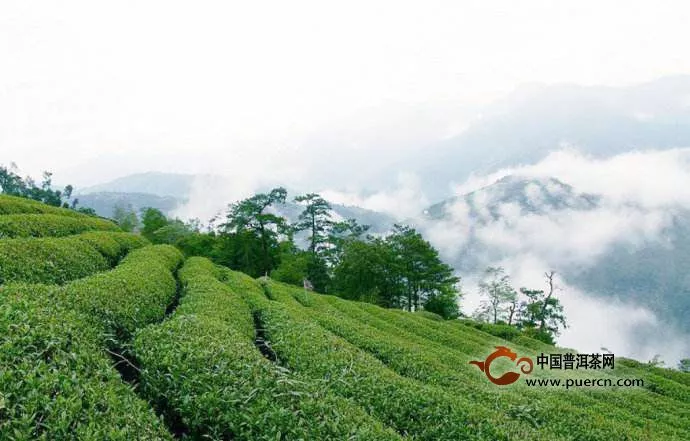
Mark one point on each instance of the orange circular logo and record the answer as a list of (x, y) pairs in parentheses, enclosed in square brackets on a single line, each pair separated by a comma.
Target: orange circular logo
[(508, 377)]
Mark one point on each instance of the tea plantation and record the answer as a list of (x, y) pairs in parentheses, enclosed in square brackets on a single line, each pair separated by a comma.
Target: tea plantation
[(104, 336)]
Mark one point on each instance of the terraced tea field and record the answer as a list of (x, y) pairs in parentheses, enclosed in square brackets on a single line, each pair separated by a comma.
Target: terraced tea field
[(106, 337)]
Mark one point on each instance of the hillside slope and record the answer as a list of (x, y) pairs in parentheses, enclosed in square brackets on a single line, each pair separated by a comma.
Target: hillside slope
[(147, 345)]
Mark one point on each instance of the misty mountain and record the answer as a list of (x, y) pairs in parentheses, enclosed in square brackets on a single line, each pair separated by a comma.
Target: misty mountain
[(479, 215), (654, 274), (104, 202), (521, 129), (163, 184), (169, 191), (514, 218), (530, 195), (535, 120), (379, 223)]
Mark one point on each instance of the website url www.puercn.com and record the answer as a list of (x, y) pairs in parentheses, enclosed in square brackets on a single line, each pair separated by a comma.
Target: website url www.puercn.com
[(588, 382)]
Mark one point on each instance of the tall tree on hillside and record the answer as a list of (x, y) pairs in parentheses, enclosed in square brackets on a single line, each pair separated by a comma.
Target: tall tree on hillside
[(327, 240), (315, 219), (498, 295), (249, 217), (152, 219), (684, 365), (542, 313), (10, 182), (240, 251), (422, 274), (401, 270), (125, 217), (339, 235), (367, 272), (444, 304), (293, 264)]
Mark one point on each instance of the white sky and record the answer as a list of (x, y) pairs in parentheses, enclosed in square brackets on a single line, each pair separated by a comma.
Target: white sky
[(93, 90)]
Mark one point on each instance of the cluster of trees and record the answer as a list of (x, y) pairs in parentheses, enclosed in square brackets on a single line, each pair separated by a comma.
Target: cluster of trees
[(127, 218), (656, 361), (400, 270), (684, 365), (14, 185), (536, 312)]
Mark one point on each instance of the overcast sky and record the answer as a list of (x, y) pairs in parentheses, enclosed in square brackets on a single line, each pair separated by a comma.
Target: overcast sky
[(94, 90)]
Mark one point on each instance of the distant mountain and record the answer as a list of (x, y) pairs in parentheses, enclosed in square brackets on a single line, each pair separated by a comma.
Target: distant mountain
[(530, 195), (378, 222), (499, 206), (500, 222), (535, 120), (164, 191), (155, 183), (169, 191), (105, 202), (654, 274)]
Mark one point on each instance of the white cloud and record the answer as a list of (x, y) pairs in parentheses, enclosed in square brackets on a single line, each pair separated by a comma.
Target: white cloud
[(641, 191), (595, 322), (625, 329), (651, 178), (406, 200)]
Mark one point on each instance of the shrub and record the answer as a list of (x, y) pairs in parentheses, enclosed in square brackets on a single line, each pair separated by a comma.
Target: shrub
[(55, 380), (536, 334), (503, 331), (48, 260), (409, 407), (113, 245), (59, 260), (137, 292), (50, 225), (532, 343), (444, 304), (417, 352), (16, 205), (429, 315), (56, 383), (203, 363)]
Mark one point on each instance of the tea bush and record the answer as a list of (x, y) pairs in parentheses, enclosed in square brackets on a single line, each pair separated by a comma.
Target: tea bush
[(56, 382), (113, 245), (254, 359), (430, 315), (416, 353), (58, 260), (408, 406), (203, 363), (16, 205), (50, 225), (499, 330), (48, 260), (137, 292)]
